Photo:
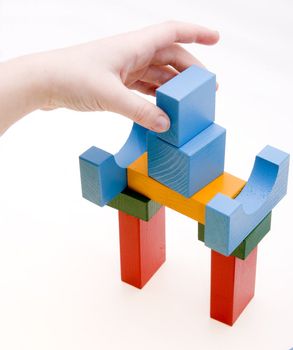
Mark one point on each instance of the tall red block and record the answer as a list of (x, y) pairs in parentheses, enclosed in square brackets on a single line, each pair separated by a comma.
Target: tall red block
[(232, 285), (142, 247)]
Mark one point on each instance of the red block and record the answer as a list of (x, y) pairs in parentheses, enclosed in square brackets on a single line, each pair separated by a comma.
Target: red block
[(142, 247), (232, 285)]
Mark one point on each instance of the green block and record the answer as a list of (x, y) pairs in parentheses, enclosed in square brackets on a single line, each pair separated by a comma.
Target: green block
[(135, 204), (250, 242)]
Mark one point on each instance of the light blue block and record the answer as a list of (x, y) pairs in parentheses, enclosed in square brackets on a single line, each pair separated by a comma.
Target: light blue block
[(189, 101), (189, 168), (104, 176), (229, 221)]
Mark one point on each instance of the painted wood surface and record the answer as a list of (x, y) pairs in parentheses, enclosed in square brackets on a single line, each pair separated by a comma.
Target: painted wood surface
[(229, 221), (189, 101), (232, 285), (191, 167), (142, 247), (135, 204), (250, 242), (104, 176), (194, 207)]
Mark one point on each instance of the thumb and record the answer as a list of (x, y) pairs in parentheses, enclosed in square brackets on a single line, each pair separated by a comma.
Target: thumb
[(141, 111)]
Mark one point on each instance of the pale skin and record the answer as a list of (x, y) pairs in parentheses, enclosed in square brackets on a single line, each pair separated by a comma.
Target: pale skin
[(102, 75)]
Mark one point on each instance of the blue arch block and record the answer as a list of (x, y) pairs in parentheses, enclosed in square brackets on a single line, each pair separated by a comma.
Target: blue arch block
[(103, 175), (229, 221), (189, 100)]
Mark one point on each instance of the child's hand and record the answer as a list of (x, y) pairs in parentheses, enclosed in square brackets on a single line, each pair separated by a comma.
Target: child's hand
[(100, 75)]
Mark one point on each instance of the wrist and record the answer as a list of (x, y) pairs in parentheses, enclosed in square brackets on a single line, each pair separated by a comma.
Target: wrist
[(36, 78)]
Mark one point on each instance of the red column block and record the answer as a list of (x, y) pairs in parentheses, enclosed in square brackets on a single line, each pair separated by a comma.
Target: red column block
[(232, 285), (142, 247)]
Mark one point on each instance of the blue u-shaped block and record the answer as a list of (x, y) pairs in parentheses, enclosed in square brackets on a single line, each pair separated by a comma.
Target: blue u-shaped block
[(229, 221), (103, 175)]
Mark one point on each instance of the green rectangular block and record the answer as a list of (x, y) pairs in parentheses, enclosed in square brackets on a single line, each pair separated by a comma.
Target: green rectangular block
[(250, 242), (135, 204)]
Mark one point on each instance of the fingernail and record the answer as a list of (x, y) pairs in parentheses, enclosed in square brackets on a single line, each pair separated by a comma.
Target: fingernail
[(161, 124)]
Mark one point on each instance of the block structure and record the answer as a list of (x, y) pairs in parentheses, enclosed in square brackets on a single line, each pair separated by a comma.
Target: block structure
[(232, 285), (191, 167), (189, 101), (135, 204), (250, 242), (183, 169), (142, 247)]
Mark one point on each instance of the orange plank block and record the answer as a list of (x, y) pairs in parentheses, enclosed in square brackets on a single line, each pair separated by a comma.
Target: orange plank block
[(194, 207), (232, 285), (142, 247)]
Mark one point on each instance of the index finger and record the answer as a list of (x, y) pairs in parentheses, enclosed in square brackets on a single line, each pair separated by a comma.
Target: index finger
[(165, 34)]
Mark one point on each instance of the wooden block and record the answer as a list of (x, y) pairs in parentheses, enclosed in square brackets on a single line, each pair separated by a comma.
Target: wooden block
[(229, 221), (135, 204), (232, 285), (101, 178), (250, 242), (194, 207), (104, 176), (189, 100), (142, 247), (253, 239), (191, 167)]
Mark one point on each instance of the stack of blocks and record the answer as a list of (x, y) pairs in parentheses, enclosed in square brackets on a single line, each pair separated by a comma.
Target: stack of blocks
[(183, 169)]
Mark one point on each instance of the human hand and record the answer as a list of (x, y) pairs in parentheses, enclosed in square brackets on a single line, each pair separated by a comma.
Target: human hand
[(100, 75)]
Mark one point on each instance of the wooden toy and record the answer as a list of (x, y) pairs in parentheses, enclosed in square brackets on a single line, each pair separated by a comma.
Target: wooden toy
[(183, 169), (232, 285), (135, 204), (192, 166), (229, 221), (194, 207), (103, 176), (189, 100), (250, 242), (142, 247)]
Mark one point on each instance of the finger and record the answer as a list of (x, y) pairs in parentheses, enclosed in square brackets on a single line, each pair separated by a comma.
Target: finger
[(158, 75), (136, 108), (175, 56), (145, 88), (165, 34)]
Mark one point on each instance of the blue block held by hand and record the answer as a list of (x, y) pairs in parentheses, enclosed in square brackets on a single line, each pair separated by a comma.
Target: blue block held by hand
[(189, 101)]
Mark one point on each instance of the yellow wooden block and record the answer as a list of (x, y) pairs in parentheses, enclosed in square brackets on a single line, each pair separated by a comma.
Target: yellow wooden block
[(194, 207)]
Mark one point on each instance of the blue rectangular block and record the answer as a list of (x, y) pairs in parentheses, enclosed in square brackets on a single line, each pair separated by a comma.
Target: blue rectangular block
[(191, 167), (189, 101)]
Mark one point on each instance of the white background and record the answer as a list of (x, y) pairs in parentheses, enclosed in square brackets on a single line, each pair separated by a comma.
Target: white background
[(59, 254)]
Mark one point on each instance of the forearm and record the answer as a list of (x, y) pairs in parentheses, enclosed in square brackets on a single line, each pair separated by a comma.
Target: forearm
[(22, 89)]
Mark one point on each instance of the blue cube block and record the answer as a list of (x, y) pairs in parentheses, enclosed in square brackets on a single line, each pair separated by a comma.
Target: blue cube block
[(191, 167), (189, 101)]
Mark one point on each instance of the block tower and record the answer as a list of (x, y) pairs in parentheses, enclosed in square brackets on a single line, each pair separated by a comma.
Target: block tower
[(183, 169)]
